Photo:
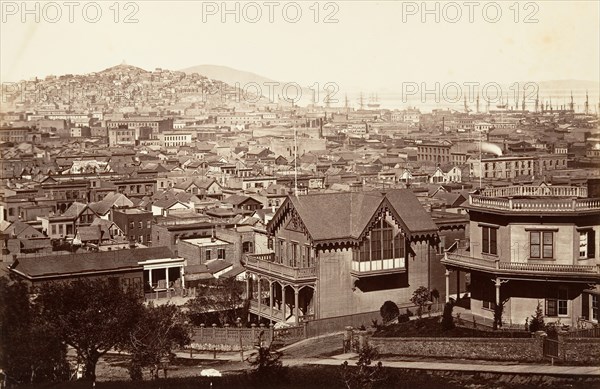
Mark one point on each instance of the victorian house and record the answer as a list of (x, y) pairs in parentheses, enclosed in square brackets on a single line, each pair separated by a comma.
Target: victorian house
[(335, 254), (530, 245)]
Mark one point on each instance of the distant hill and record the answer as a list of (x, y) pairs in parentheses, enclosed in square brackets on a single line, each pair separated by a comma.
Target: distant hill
[(227, 74), (569, 84), (232, 76)]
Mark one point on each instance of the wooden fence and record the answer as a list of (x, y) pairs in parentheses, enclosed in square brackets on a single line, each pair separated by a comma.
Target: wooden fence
[(242, 338), (585, 333)]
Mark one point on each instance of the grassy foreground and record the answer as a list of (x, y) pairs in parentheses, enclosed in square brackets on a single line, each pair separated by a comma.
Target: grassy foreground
[(308, 377)]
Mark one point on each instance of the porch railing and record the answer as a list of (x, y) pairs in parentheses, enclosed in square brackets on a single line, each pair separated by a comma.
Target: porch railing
[(169, 293), (535, 205), (550, 191), (518, 267), (265, 263)]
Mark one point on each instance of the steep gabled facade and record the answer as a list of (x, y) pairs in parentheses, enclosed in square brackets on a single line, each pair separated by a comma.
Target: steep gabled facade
[(341, 253)]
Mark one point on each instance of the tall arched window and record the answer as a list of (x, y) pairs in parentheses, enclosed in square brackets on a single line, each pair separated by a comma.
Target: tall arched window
[(381, 243)]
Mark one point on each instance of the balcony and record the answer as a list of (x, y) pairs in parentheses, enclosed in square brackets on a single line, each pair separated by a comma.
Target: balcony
[(579, 272), (536, 191), (538, 205), (264, 263)]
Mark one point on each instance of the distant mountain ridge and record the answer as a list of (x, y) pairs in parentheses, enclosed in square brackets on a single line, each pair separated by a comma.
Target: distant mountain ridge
[(228, 75), (241, 78)]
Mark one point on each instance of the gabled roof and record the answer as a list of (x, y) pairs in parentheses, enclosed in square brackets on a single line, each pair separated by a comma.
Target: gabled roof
[(346, 216), (239, 199), (19, 228), (74, 210), (167, 203)]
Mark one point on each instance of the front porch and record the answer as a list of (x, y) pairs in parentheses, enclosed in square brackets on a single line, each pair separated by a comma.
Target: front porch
[(164, 279), (280, 301)]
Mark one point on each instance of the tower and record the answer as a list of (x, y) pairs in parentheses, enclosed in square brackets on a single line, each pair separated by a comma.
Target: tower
[(587, 104)]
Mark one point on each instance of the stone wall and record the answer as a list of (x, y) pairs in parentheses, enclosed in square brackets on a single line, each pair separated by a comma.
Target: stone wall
[(497, 349), (585, 351)]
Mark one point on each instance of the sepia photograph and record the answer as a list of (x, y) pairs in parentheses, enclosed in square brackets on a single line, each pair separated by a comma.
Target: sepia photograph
[(351, 194)]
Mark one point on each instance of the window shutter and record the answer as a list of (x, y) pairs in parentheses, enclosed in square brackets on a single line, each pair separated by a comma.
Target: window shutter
[(585, 305), (591, 238)]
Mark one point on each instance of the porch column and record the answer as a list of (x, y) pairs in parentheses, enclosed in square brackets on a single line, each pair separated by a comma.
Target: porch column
[(498, 283), (315, 302), (181, 275), (296, 308), (457, 285), (447, 285), (271, 300), (167, 278), (259, 297), (248, 286), (150, 277), (283, 300)]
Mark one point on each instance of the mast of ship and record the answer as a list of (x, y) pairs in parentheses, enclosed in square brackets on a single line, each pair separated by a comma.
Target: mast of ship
[(361, 101), (295, 162), (537, 101), (346, 102), (572, 105)]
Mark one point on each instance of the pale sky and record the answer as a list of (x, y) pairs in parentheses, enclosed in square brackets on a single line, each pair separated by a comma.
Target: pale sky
[(370, 45)]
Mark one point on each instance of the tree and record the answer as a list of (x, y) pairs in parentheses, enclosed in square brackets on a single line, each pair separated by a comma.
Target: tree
[(420, 298), (30, 350), (498, 311), (447, 319), (537, 320), (365, 376), (221, 298), (91, 315), (158, 331), (266, 364), (389, 311)]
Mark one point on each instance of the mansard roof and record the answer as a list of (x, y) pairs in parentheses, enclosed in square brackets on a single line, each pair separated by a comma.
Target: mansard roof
[(329, 217)]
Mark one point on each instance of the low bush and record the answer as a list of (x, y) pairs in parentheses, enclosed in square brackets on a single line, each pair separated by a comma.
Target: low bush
[(389, 311)]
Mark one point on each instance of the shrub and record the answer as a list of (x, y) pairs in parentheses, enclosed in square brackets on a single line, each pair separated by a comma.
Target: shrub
[(420, 298), (365, 376), (403, 318), (537, 320), (389, 311), (447, 319)]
